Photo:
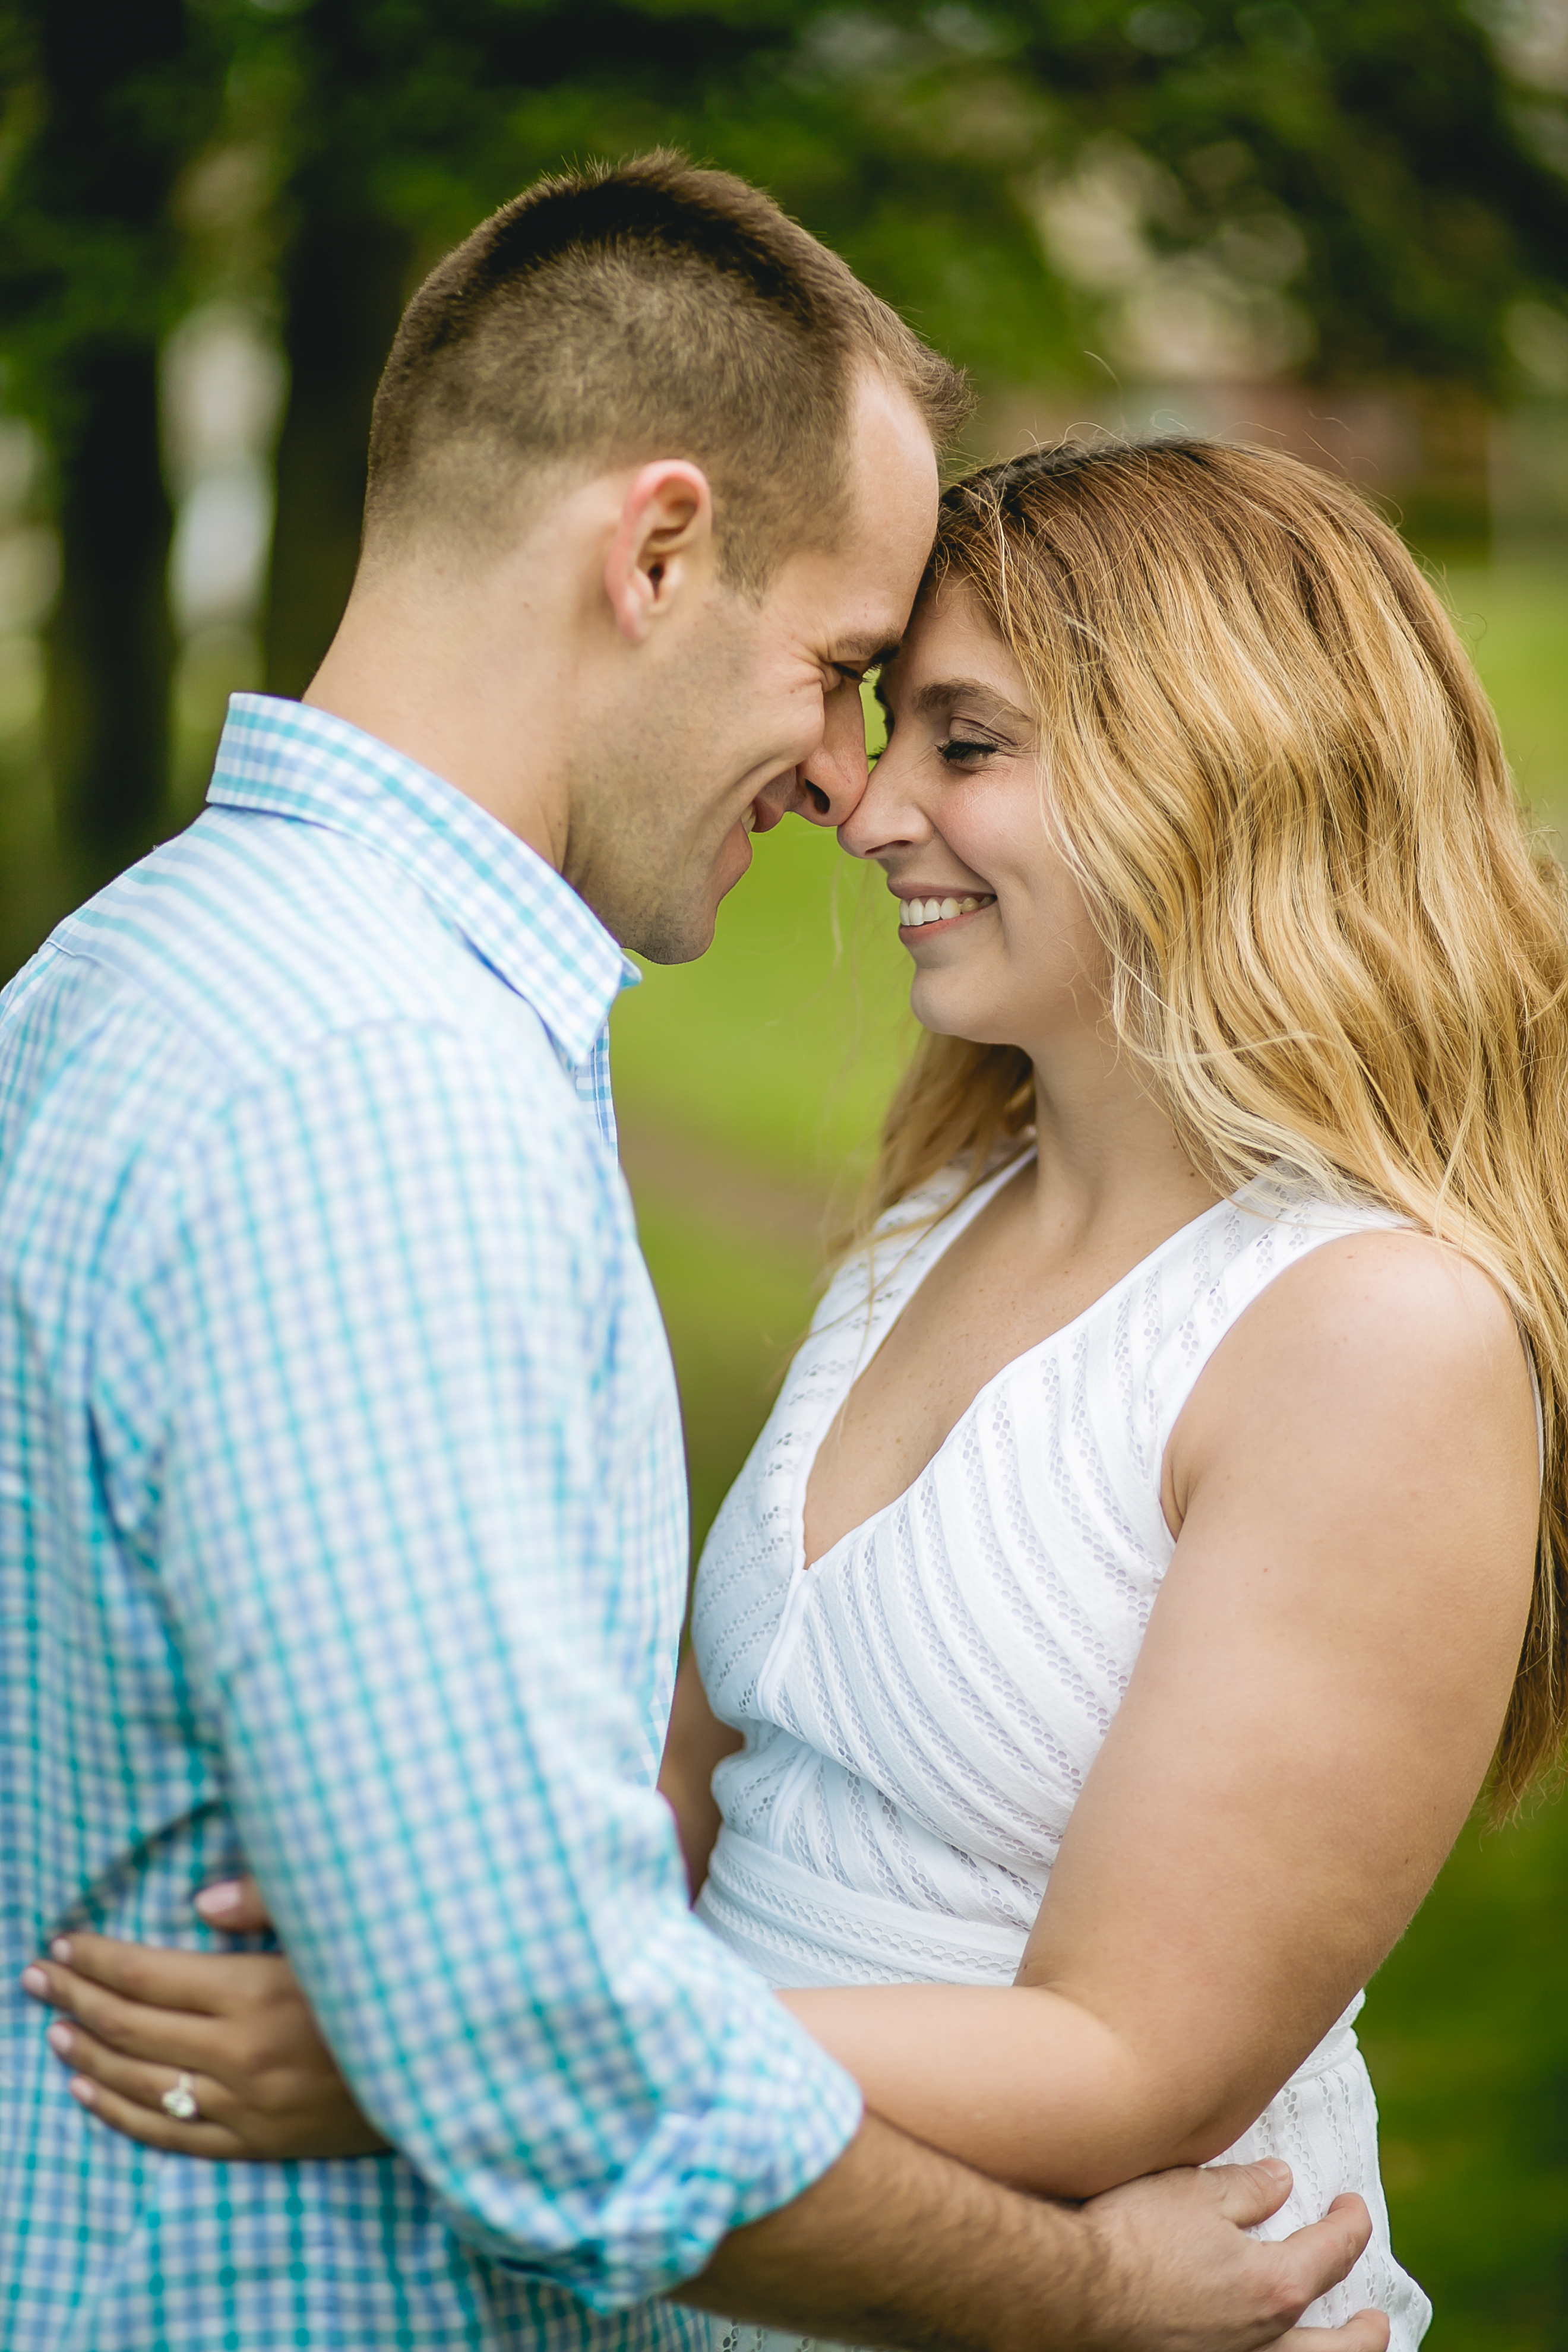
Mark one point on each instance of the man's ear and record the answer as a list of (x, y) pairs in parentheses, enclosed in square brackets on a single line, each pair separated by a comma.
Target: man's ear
[(665, 531)]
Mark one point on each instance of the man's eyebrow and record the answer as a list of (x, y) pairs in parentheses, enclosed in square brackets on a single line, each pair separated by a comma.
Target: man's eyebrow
[(864, 653)]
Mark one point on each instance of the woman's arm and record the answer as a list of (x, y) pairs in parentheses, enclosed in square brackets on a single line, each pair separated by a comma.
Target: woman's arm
[(1354, 1482), (696, 1744)]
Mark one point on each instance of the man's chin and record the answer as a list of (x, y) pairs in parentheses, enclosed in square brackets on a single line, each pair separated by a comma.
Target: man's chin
[(668, 936), (682, 934)]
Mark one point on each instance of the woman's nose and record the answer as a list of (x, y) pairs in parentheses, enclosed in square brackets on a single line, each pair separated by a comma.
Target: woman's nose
[(886, 814)]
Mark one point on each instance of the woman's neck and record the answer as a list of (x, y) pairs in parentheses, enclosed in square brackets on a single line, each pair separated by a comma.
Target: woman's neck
[(1109, 1158)]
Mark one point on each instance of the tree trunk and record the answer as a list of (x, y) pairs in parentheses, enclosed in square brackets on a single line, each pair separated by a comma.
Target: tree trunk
[(126, 100), (343, 295), (109, 645)]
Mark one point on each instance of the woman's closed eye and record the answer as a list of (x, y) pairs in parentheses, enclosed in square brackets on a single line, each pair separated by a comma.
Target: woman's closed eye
[(965, 750)]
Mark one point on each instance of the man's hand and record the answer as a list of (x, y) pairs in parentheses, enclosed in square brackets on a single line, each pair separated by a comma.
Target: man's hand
[(1189, 2280), (897, 2246)]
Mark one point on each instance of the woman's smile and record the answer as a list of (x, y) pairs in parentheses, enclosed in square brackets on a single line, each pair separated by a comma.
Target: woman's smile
[(919, 909)]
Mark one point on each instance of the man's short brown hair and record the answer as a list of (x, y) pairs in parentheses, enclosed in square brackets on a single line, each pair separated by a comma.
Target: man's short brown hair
[(647, 309)]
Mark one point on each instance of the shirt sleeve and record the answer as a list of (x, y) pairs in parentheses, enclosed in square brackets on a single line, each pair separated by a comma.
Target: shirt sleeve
[(411, 1430)]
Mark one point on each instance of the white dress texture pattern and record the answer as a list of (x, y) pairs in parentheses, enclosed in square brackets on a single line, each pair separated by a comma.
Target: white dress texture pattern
[(921, 1705)]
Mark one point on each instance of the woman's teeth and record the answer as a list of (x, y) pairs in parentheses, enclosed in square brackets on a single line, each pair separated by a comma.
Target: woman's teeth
[(915, 911)]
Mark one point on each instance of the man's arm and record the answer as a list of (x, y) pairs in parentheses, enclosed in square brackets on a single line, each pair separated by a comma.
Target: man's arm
[(894, 2244), (897, 2244), (421, 1535)]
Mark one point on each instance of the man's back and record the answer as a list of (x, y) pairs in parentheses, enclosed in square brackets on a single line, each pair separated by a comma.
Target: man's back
[(324, 1343)]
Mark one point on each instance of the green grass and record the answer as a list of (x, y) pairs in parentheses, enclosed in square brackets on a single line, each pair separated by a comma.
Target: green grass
[(777, 1051)]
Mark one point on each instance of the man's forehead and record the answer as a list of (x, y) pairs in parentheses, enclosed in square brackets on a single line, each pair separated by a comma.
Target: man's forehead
[(851, 603)]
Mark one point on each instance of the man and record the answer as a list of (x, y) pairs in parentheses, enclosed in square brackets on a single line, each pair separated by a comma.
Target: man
[(344, 1513)]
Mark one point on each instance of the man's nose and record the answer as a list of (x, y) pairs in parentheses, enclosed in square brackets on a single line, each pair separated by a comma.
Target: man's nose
[(830, 783)]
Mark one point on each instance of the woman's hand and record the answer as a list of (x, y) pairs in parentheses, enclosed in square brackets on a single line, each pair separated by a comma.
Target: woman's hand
[(136, 2020), (234, 2026)]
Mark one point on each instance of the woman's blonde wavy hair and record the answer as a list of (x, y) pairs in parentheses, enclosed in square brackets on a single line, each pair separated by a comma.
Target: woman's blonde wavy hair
[(1334, 945)]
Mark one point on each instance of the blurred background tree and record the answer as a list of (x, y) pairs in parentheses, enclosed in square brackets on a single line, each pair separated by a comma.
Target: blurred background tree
[(105, 105), (1063, 192), (1340, 225)]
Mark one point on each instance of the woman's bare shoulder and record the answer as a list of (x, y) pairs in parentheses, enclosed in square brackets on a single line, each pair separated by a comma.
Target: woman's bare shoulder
[(1392, 1296), (1384, 1343)]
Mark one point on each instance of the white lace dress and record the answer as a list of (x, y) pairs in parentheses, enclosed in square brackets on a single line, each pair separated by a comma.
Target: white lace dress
[(922, 1707)]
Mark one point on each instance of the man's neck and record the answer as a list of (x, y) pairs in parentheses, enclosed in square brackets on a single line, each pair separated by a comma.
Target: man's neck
[(426, 674)]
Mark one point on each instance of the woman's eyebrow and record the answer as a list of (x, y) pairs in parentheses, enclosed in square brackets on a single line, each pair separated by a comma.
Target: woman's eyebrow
[(942, 691)]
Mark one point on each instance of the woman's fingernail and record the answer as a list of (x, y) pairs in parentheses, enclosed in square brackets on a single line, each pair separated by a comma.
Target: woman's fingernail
[(214, 1901), (58, 2038), (35, 1981), (61, 1950), (84, 2091)]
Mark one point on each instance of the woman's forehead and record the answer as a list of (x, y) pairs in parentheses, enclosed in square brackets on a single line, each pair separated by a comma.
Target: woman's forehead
[(951, 639)]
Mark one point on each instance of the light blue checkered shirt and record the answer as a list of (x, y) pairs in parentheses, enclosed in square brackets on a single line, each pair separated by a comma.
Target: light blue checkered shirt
[(343, 1528)]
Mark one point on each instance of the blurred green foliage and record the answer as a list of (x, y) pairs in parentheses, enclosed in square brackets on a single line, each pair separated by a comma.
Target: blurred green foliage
[(105, 105), (1465, 2032)]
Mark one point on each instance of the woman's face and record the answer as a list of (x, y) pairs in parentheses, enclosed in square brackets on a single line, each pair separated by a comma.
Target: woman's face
[(1003, 951)]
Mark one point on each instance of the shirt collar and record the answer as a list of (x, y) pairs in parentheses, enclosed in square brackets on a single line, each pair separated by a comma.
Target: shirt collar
[(290, 760)]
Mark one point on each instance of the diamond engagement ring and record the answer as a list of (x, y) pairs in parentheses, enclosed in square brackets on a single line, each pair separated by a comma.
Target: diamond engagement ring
[(181, 2101)]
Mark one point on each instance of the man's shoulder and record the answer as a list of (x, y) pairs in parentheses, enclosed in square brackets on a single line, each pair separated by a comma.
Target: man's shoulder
[(237, 986), (257, 939)]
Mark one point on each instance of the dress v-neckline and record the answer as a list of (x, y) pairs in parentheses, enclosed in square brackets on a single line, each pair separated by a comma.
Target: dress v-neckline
[(957, 1222)]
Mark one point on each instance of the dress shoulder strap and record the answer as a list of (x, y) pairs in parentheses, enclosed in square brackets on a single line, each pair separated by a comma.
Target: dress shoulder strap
[(1221, 1265)]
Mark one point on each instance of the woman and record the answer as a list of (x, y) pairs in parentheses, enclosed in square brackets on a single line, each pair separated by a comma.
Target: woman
[(1163, 1524)]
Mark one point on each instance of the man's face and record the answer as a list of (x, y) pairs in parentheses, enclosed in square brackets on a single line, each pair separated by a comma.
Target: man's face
[(749, 711)]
